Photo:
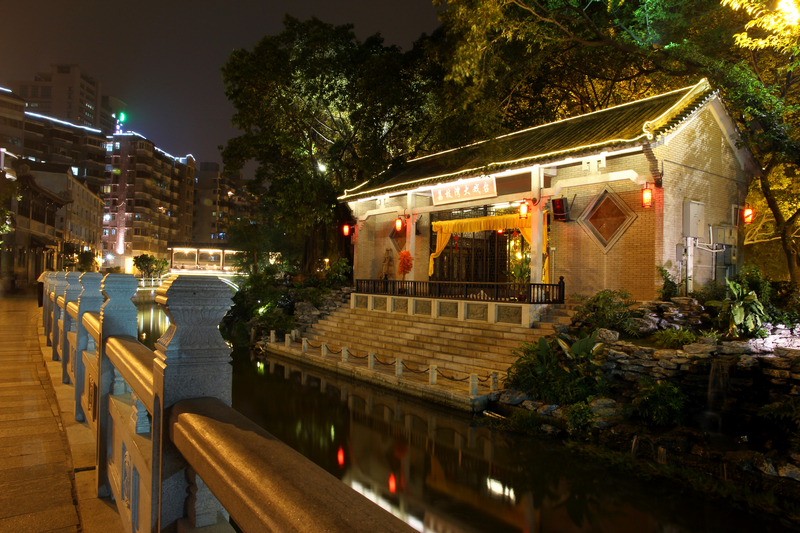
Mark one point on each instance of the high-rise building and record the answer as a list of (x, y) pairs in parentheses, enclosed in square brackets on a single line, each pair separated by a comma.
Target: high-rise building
[(211, 204), (68, 93), (12, 121), (148, 200)]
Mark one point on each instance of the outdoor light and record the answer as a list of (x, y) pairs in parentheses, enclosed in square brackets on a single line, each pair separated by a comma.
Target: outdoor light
[(523, 210), (748, 214), (500, 231), (346, 230), (398, 223), (340, 456), (647, 196), (392, 483)]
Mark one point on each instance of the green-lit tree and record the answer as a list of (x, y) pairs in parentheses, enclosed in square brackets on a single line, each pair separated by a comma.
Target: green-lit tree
[(320, 111)]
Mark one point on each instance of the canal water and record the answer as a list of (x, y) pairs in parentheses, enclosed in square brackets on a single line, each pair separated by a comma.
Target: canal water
[(436, 470)]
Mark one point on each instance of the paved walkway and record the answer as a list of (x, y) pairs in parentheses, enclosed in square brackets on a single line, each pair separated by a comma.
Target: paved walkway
[(46, 458)]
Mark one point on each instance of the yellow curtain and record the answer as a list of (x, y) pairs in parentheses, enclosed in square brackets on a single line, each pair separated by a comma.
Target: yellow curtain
[(446, 228), (545, 250)]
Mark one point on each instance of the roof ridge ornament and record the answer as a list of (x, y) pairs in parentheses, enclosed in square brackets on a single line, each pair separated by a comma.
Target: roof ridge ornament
[(650, 126)]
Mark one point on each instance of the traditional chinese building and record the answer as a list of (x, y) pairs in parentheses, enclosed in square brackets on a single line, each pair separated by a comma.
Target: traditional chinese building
[(609, 195)]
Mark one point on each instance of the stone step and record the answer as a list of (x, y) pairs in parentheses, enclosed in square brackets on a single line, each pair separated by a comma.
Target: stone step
[(487, 363), (420, 328), (398, 319)]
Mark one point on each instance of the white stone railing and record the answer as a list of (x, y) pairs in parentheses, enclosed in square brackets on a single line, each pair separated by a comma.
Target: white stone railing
[(170, 450)]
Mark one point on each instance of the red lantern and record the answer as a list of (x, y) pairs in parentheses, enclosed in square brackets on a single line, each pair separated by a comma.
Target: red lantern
[(647, 197), (392, 483), (398, 224), (500, 231), (340, 456), (748, 214), (523, 210), (346, 230)]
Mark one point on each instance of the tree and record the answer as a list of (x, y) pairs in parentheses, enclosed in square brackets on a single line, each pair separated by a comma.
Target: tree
[(8, 189), (670, 41), (320, 112), (150, 267)]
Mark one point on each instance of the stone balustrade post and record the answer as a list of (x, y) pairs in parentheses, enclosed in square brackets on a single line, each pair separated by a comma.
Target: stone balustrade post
[(272, 337), (398, 368), (494, 381), (371, 361), (58, 290), (71, 294), (305, 345), (47, 306), (202, 508), (432, 375), (344, 354), (89, 300), (473, 384), (192, 360), (287, 340), (324, 349), (117, 317)]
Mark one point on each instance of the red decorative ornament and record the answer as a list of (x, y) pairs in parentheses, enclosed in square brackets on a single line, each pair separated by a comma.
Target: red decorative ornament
[(392, 483), (346, 230), (515, 234), (340, 456), (523, 210), (398, 224), (748, 215)]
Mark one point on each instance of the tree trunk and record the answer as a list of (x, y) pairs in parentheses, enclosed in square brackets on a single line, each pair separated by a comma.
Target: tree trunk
[(783, 225)]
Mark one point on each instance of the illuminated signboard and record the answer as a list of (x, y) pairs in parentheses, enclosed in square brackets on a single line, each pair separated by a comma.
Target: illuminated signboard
[(463, 191)]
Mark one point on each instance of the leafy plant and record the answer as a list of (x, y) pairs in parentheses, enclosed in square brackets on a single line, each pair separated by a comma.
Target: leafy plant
[(580, 416), (716, 335), (609, 309), (711, 290), (338, 272), (670, 287), (787, 412), (544, 374), (659, 402), (520, 271), (740, 310), (674, 338)]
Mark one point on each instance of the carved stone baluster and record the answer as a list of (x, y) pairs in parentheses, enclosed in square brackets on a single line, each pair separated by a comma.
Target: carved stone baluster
[(202, 508), (89, 300), (139, 415), (117, 317), (192, 361), (71, 294), (58, 290)]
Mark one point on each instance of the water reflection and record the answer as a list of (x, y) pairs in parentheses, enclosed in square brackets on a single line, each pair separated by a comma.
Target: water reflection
[(153, 321), (432, 469)]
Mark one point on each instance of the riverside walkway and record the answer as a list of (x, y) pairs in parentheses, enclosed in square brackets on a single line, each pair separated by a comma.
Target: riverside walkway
[(46, 457)]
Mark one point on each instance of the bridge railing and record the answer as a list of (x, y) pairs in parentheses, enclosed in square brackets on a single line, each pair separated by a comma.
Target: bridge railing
[(170, 449)]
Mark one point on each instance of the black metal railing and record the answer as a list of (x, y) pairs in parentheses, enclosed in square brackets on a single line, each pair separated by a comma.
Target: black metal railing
[(537, 293)]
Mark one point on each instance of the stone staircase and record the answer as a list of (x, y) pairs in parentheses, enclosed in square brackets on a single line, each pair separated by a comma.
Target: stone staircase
[(452, 345)]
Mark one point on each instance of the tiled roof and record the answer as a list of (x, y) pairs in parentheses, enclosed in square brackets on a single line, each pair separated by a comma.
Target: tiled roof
[(625, 125)]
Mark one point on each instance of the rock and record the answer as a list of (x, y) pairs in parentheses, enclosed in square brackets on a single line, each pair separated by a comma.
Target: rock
[(493, 396), (684, 300), (698, 349), (775, 373), (561, 328), (602, 403), (671, 365), (606, 412), (513, 397), (665, 354), (764, 464), (734, 347), (644, 353), (789, 470), (614, 355), (531, 405), (745, 361), (561, 412), (679, 360), (607, 335), (707, 340), (547, 410), (776, 362), (642, 326), (547, 429), (787, 352), (305, 308)]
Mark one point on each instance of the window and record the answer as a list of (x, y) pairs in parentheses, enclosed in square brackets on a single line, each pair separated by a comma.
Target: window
[(34, 91), (606, 219), (46, 91), (23, 91)]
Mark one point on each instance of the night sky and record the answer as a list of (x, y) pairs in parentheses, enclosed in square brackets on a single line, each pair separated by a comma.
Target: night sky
[(162, 58)]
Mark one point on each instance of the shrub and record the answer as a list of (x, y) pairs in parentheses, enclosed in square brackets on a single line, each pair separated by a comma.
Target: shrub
[(741, 311), (659, 402), (674, 338), (544, 374), (787, 413), (338, 273), (607, 309), (752, 279), (711, 290), (670, 287), (580, 416)]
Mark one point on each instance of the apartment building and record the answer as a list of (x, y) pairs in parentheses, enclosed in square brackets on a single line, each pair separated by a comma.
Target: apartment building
[(68, 93), (149, 195), (211, 204)]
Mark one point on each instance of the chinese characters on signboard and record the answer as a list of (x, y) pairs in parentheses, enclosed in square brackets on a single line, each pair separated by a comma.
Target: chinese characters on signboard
[(464, 191)]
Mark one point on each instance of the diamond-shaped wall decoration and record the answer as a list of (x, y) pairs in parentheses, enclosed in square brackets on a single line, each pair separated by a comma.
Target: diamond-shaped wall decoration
[(606, 219)]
